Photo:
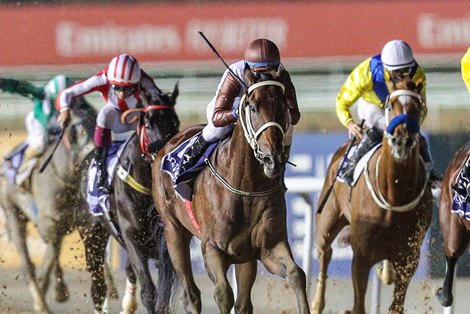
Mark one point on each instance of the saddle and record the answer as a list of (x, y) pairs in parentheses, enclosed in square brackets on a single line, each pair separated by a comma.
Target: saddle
[(171, 163)]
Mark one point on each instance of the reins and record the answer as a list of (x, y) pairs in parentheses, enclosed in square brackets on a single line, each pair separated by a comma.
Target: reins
[(380, 199), (251, 137)]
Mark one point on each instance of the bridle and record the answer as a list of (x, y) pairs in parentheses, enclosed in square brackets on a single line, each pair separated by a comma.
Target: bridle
[(251, 135), (144, 142)]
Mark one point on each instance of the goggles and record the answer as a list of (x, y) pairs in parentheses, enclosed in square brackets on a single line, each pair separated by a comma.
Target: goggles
[(119, 88)]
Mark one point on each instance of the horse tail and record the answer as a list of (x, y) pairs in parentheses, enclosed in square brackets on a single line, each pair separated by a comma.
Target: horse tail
[(167, 284)]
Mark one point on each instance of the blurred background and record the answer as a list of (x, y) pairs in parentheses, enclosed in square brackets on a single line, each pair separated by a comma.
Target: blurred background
[(320, 43)]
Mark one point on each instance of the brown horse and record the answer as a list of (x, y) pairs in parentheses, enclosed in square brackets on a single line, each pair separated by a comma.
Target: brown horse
[(455, 229), (238, 203), (389, 209)]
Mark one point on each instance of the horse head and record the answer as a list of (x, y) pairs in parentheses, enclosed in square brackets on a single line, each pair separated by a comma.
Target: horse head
[(157, 123), (264, 117), (404, 111)]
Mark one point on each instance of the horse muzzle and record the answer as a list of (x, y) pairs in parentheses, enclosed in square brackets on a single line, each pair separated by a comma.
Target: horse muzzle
[(402, 146), (272, 167)]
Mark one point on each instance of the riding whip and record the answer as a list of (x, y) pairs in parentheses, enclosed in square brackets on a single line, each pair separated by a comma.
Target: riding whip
[(330, 189), (220, 58), (48, 160)]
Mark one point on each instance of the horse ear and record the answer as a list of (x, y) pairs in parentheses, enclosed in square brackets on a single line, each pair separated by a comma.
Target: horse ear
[(249, 77)]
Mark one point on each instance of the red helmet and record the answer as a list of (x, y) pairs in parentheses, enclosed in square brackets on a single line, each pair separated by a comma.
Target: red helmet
[(262, 52), (124, 70)]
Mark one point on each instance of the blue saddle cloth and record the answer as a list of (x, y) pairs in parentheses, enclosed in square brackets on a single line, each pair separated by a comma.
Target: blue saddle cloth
[(12, 162), (461, 202), (96, 199), (171, 163)]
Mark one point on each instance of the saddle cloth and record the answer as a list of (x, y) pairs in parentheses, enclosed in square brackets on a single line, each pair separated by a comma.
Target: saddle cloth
[(461, 201), (361, 164), (171, 163), (12, 162), (98, 201)]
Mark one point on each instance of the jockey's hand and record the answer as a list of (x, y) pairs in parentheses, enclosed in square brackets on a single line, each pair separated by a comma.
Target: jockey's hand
[(354, 130), (64, 118)]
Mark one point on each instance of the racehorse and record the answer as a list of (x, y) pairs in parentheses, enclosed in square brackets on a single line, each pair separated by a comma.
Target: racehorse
[(137, 225), (389, 209), (49, 204), (454, 228), (238, 202)]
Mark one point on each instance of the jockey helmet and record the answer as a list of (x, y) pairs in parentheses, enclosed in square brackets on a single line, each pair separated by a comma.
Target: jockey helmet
[(57, 84), (124, 70), (397, 54), (262, 53)]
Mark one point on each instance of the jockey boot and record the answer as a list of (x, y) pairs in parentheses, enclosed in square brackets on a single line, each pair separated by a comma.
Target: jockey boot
[(371, 137), (193, 153), (435, 178), (101, 156)]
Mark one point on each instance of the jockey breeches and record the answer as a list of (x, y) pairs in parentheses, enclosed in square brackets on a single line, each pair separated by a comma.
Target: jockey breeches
[(109, 117), (371, 113), (37, 135)]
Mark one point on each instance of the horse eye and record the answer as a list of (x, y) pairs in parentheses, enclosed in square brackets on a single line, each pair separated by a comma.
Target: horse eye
[(252, 108)]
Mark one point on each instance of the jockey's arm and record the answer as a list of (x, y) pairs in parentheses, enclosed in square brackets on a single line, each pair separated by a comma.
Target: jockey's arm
[(22, 88), (465, 68), (223, 112), (292, 104), (358, 82)]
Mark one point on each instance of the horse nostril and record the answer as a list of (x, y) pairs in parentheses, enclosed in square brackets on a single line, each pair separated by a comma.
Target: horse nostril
[(268, 161), (409, 142)]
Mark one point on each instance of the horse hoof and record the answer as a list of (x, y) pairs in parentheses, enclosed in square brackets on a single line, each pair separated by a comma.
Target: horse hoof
[(62, 295), (444, 300)]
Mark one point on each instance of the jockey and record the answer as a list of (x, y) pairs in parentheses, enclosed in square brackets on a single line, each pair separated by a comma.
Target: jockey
[(43, 118), (263, 58), (123, 85), (463, 180), (367, 85)]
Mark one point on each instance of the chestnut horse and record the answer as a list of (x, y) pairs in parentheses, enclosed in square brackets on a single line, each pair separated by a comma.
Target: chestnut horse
[(389, 209), (238, 204), (454, 228)]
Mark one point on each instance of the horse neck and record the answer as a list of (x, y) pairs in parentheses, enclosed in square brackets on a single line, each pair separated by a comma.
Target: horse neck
[(133, 161), (243, 165), (400, 181)]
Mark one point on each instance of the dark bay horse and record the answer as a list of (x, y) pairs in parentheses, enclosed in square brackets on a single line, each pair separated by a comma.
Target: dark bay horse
[(138, 227), (454, 228), (238, 204), (53, 194), (389, 209)]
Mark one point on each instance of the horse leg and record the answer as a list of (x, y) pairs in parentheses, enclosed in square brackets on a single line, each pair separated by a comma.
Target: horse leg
[(129, 301), (18, 227), (444, 294), (95, 240), (178, 240), (405, 269), (108, 273), (246, 276), (279, 261), (138, 261), (360, 274), (386, 273), (216, 267), (328, 225), (456, 240), (61, 291)]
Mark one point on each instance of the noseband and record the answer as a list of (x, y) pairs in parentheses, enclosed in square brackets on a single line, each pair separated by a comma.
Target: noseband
[(245, 120)]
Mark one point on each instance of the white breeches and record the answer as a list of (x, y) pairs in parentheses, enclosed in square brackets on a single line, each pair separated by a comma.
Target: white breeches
[(371, 113), (109, 117), (37, 135)]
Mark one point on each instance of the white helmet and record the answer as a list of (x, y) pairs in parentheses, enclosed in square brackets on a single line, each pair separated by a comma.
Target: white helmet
[(397, 54), (57, 84), (124, 70)]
